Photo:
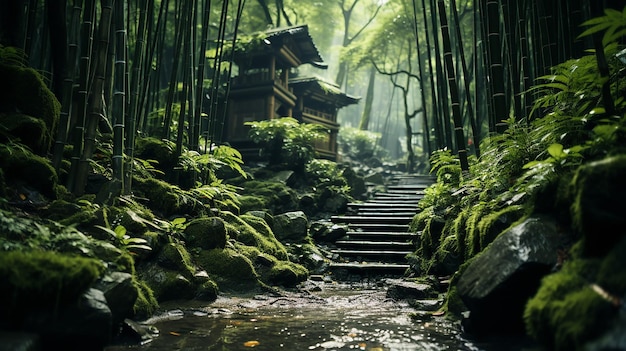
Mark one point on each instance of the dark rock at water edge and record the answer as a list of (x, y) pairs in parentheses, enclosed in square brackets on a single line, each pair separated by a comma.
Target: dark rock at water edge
[(120, 295), (401, 289), (497, 283), (291, 226)]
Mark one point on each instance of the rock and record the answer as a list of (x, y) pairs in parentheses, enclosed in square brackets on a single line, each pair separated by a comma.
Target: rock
[(120, 294), (356, 183), (85, 325), (335, 203), (401, 289), (497, 283), (206, 233), (287, 274), (19, 341), (427, 305), (138, 333), (325, 231), (263, 215), (375, 178), (166, 284), (175, 257), (291, 226)]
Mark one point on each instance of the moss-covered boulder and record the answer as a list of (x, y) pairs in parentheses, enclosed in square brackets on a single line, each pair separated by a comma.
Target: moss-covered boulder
[(27, 130), (22, 167), (597, 208), (287, 274), (174, 256), (24, 90), (161, 151), (230, 269), (163, 197), (206, 233), (272, 196), (42, 280), (579, 303), (254, 231), (166, 284)]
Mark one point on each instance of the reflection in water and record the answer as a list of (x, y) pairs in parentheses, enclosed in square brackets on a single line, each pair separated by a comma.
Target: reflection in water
[(334, 320)]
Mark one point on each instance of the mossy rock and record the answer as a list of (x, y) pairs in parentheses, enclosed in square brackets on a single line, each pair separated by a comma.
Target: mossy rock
[(27, 130), (166, 284), (287, 274), (163, 197), (162, 151), (24, 90), (146, 304), (34, 280), (207, 291), (276, 196), (597, 210), (252, 203), (21, 166), (493, 224), (206, 233), (60, 209), (254, 231), (566, 313), (230, 269), (174, 256)]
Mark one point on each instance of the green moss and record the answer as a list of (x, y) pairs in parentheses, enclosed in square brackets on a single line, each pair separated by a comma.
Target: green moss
[(27, 130), (175, 256), (146, 304), (34, 280), (21, 166), (287, 274), (566, 312), (163, 197), (23, 89), (252, 203), (494, 223), (595, 213), (276, 197), (158, 150), (254, 231), (472, 237), (207, 291), (206, 233), (230, 268)]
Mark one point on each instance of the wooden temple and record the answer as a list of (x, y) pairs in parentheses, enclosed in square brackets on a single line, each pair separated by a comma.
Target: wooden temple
[(264, 89)]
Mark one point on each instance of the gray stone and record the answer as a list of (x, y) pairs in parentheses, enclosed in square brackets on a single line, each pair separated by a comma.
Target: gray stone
[(264, 215), (427, 305), (401, 289), (326, 231), (497, 283), (375, 178), (120, 294), (291, 226)]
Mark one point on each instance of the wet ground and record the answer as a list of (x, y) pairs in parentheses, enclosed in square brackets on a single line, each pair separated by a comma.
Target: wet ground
[(328, 316)]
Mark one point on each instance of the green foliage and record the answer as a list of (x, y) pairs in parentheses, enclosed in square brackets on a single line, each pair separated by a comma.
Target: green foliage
[(358, 144), (23, 167), (287, 142), (206, 165), (125, 241), (613, 24)]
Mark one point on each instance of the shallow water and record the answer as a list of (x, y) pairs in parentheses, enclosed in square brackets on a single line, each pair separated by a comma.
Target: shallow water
[(338, 318)]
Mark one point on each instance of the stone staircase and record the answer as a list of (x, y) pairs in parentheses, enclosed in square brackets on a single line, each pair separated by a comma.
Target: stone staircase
[(378, 237)]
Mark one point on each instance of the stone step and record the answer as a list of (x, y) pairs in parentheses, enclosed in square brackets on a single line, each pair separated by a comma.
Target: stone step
[(372, 219), (373, 255), (370, 267), (378, 227), (380, 235), (414, 196), (394, 201), (375, 245), (383, 206), (386, 214)]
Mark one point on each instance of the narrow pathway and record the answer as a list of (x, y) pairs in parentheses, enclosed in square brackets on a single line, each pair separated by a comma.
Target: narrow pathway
[(378, 237)]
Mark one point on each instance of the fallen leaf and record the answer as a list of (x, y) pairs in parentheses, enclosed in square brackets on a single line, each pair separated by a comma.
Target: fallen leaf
[(439, 313), (174, 333), (251, 343), (22, 197)]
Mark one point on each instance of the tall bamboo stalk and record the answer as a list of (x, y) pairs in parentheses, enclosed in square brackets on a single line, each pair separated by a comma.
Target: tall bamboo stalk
[(454, 88), (441, 89), (173, 82), (466, 81), (68, 86), (197, 113), (119, 93), (496, 68), (96, 106), (439, 139), (78, 133)]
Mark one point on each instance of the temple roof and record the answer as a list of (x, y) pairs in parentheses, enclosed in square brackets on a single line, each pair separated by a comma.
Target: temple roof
[(322, 90), (293, 44)]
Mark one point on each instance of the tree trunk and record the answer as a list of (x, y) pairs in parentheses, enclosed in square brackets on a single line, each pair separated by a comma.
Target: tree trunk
[(369, 98)]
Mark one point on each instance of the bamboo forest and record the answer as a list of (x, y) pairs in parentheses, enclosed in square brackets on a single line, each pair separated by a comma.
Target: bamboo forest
[(379, 175)]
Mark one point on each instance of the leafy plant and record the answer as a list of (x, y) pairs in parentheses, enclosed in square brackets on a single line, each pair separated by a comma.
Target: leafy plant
[(287, 142), (124, 240), (359, 144)]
